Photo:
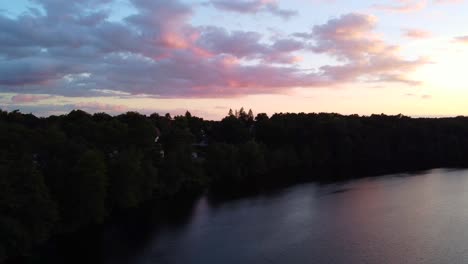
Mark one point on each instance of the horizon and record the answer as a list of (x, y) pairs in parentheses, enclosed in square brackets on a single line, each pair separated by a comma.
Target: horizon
[(147, 114), (367, 57)]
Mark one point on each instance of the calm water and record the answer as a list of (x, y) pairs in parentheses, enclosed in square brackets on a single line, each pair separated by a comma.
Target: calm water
[(420, 218)]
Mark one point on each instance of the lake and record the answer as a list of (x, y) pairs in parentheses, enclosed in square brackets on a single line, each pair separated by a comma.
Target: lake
[(401, 218)]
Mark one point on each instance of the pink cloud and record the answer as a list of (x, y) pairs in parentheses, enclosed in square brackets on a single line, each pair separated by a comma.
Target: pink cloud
[(28, 98), (408, 6), (351, 39), (449, 1), (417, 33), (462, 39), (403, 6)]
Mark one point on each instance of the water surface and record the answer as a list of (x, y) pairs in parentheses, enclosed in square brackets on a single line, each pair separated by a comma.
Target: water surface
[(419, 218)]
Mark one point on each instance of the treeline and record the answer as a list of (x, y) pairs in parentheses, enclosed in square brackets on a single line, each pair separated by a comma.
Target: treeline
[(62, 173), (253, 153)]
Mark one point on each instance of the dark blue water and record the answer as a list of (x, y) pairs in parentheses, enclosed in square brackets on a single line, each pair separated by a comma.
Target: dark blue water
[(419, 218)]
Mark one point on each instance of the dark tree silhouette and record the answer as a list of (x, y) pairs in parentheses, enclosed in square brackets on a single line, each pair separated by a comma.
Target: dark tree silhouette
[(62, 173)]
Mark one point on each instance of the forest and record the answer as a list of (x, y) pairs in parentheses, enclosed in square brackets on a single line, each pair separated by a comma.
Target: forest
[(60, 174)]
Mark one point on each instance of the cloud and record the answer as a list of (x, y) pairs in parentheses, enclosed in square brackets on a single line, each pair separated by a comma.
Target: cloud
[(402, 6), (448, 1), (33, 71), (408, 6), (423, 96), (253, 6), (416, 33), (237, 43), (157, 52), (351, 39), (28, 98), (248, 45), (462, 39)]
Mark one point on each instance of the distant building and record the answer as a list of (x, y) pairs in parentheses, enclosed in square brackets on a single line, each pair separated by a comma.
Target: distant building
[(158, 134), (199, 149), (156, 140)]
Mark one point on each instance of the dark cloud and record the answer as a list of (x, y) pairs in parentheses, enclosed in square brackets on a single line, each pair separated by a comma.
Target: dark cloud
[(242, 44), (237, 43)]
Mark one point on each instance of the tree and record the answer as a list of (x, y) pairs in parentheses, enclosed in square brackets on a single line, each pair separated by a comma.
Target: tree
[(27, 213), (250, 116), (231, 130), (261, 117), (242, 114), (127, 178), (85, 192), (252, 162), (222, 167)]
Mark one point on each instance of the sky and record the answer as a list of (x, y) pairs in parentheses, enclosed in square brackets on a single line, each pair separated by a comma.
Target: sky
[(208, 56)]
